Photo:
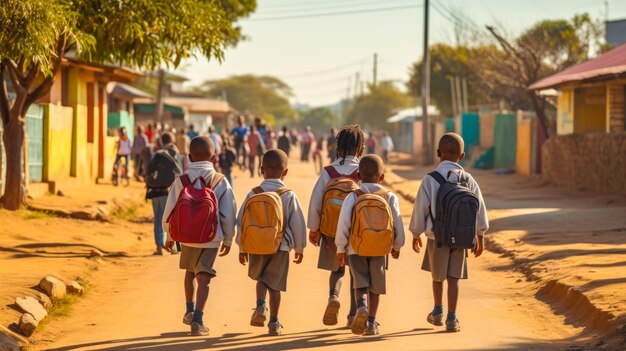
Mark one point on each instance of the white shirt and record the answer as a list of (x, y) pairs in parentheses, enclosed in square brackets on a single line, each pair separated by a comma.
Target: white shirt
[(294, 235), (344, 226), (386, 143), (225, 204), (350, 165), (427, 199), (124, 147)]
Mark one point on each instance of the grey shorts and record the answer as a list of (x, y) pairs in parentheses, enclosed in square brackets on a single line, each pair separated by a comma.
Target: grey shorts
[(270, 269), (328, 255), (198, 260), (368, 272), (444, 262)]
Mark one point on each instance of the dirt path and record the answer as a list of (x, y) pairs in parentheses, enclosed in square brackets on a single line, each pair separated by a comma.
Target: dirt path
[(137, 304)]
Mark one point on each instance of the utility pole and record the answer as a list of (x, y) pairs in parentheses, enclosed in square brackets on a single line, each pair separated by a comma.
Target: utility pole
[(426, 91), (453, 97), (606, 11), (465, 105), (356, 84), (375, 70), (160, 93)]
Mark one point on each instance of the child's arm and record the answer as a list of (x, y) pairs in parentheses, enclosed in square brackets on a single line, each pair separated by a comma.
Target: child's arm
[(315, 207), (419, 217), (172, 197), (399, 236), (482, 221), (342, 237), (228, 212), (298, 227)]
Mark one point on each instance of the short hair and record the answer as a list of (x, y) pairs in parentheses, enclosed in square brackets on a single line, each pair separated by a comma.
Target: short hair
[(451, 144), (371, 167), (211, 129), (350, 141), (275, 159), (201, 148), (285, 129), (167, 138)]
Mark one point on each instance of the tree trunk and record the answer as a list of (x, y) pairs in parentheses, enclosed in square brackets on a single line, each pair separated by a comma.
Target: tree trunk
[(541, 114), (13, 138)]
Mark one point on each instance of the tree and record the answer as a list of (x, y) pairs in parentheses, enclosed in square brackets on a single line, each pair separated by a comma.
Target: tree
[(320, 119), (544, 49), (262, 96), (373, 108), (448, 62), (35, 35)]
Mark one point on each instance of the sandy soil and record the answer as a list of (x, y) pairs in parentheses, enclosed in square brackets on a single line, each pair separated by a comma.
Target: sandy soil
[(136, 302)]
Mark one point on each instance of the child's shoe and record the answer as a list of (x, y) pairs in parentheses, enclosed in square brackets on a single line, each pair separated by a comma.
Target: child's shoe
[(360, 321), (274, 328), (331, 314), (198, 329), (453, 325), (187, 318), (372, 328), (435, 319), (259, 316)]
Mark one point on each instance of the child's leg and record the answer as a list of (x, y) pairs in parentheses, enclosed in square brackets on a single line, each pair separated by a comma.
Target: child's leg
[(251, 165), (189, 291), (202, 294), (352, 295), (274, 305), (453, 296), (360, 295), (373, 302), (438, 293), (335, 281), (261, 293)]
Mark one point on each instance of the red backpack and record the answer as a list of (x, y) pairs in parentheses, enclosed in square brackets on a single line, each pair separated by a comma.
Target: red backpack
[(194, 218)]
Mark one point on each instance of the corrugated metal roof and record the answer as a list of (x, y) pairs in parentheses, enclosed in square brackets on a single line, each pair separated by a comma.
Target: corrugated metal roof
[(412, 114), (607, 65)]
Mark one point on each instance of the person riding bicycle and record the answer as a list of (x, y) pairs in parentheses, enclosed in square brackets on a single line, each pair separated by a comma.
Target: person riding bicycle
[(124, 149)]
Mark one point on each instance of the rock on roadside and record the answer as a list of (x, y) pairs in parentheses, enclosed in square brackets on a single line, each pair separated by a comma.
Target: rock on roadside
[(53, 287), (27, 324), (31, 306), (96, 253), (44, 300), (74, 288), (7, 343)]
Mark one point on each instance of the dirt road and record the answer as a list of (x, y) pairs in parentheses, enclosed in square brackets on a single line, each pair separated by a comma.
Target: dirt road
[(137, 304)]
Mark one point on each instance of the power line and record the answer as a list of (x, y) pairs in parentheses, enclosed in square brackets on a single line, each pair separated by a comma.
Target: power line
[(329, 14), (330, 6)]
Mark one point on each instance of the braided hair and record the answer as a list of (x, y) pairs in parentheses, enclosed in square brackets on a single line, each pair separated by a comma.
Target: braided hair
[(350, 142)]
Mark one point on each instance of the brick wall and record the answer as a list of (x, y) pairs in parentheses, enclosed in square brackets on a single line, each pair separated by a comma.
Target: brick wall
[(616, 108), (588, 161)]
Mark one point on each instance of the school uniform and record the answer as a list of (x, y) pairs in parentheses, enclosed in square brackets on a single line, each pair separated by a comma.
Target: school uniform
[(199, 258), (368, 272), (443, 261), (272, 269), (328, 251)]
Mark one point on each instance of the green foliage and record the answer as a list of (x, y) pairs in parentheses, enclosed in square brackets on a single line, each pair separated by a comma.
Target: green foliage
[(320, 119), (372, 109), (263, 96)]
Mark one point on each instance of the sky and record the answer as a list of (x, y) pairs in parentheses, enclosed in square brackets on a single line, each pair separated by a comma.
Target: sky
[(318, 46)]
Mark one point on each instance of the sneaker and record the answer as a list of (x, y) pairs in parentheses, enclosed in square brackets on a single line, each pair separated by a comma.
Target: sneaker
[(350, 320), (435, 319), (259, 316), (198, 329), (331, 314), (372, 328), (158, 252), (453, 326), (274, 328), (359, 324), (187, 318)]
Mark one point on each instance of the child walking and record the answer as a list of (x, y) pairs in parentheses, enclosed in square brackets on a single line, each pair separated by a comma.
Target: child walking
[(446, 250), (198, 256), (266, 237), (370, 227), (335, 183)]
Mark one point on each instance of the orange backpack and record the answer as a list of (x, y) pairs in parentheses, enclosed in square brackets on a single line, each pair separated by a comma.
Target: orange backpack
[(262, 222), (335, 192), (372, 230)]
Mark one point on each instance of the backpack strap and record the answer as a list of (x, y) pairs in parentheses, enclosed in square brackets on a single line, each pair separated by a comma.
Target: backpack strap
[(359, 192), (354, 175), (438, 177), (281, 191), (217, 178), (258, 190), (332, 172), (185, 180)]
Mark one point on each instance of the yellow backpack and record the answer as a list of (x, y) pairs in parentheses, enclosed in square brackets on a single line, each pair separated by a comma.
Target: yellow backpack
[(262, 222), (335, 192), (372, 230)]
